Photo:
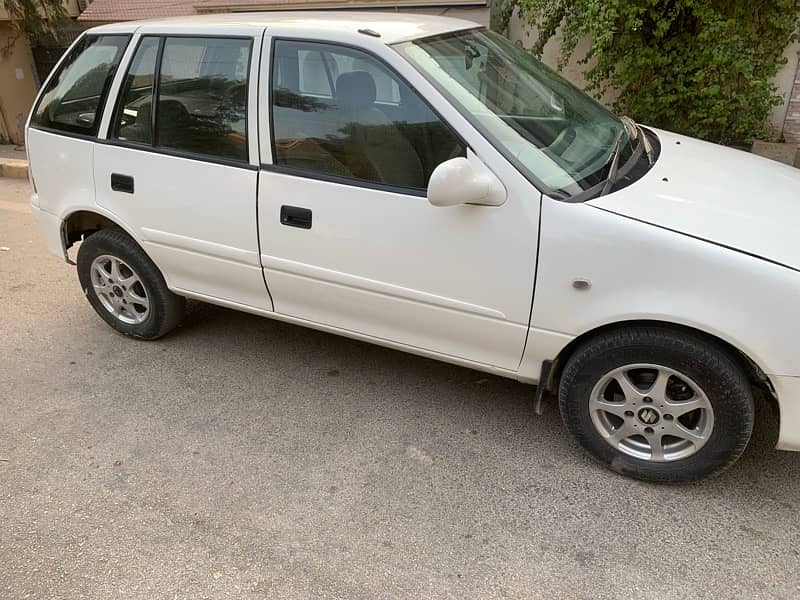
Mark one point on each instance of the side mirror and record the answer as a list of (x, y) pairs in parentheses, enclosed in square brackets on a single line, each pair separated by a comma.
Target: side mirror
[(464, 181)]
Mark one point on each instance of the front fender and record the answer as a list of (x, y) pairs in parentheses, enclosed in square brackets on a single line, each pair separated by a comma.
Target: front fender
[(642, 272)]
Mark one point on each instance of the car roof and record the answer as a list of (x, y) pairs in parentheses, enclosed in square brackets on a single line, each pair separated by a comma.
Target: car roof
[(391, 27)]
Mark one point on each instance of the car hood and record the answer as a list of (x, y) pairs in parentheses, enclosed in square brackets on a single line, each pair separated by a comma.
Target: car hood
[(718, 194)]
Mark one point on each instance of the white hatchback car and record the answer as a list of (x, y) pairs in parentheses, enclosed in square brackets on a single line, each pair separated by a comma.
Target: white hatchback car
[(421, 183)]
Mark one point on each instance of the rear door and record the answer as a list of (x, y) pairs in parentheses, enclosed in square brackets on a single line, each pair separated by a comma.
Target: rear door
[(178, 165)]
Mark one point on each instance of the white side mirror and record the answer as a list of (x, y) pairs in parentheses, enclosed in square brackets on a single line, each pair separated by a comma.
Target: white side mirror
[(464, 181)]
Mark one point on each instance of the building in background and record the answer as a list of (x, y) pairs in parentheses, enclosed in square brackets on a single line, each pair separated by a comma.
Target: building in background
[(22, 68), (785, 119), (104, 11), (19, 76)]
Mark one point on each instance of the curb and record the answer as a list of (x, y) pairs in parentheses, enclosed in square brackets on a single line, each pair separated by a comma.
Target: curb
[(12, 167)]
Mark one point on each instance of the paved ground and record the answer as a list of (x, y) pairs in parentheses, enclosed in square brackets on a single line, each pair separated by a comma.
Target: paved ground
[(246, 458), (12, 151)]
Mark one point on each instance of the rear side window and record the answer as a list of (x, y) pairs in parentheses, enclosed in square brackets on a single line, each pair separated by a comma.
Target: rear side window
[(74, 98), (199, 90)]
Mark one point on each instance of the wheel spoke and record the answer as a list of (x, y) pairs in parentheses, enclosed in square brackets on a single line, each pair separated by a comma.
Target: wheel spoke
[(656, 446), (658, 391), (619, 434), (684, 433), (615, 408), (103, 274), (114, 270), (677, 409), (129, 282), (135, 298), (631, 392)]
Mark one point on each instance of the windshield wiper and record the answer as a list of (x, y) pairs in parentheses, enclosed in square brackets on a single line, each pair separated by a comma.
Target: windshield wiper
[(629, 126), (648, 147), (614, 158)]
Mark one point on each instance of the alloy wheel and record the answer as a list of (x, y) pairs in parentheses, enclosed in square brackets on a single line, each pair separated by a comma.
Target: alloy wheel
[(651, 412), (119, 289)]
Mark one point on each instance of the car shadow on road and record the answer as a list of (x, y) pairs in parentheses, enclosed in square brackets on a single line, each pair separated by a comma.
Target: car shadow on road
[(496, 401)]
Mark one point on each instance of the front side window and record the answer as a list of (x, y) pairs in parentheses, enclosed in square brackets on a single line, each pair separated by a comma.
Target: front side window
[(200, 96), (74, 98), (339, 111), (553, 132)]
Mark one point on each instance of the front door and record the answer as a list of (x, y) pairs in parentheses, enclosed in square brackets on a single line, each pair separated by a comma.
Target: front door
[(348, 238), (176, 167)]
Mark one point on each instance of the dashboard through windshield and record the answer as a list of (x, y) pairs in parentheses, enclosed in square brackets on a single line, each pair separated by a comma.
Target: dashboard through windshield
[(559, 137)]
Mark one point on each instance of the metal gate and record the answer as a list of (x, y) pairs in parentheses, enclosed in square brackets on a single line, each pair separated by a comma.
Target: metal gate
[(49, 48)]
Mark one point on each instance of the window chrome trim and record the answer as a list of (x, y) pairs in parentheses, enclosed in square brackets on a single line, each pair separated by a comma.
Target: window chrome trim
[(341, 180), (179, 154)]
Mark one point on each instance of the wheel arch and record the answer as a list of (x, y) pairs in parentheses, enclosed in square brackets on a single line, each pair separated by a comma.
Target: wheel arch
[(82, 222), (758, 378)]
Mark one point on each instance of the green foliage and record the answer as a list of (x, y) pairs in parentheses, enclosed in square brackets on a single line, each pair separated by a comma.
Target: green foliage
[(33, 18), (500, 13), (701, 67)]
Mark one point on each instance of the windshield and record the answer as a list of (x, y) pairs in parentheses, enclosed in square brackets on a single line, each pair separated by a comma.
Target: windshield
[(554, 133)]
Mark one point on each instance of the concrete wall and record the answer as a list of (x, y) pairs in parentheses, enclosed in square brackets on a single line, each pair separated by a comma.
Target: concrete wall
[(477, 14), (573, 71), (787, 115), (18, 86)]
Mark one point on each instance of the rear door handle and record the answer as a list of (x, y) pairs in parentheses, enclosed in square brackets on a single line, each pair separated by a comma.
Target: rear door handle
[(294, 216), (122, 183)]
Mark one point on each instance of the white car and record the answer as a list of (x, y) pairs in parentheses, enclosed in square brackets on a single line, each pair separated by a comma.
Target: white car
[(423, 184)]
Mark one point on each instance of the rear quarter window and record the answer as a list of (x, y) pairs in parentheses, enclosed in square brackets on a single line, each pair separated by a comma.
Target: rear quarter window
[(74, 97)]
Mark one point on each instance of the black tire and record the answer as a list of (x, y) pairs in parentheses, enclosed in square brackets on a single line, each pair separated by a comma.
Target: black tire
[(710, 366), (165, 310)]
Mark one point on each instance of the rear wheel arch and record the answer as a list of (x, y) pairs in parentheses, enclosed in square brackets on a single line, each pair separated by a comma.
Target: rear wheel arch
[(80, 224)]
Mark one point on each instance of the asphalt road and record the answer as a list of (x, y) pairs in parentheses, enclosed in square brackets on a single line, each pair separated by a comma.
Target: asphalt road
[(245, 458)]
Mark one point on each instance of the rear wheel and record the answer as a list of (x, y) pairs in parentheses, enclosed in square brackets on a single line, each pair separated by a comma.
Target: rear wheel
[(125, 287), (657, 404)]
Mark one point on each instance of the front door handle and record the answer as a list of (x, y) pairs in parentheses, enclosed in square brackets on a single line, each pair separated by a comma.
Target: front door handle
[(122, 183), (294, 216)]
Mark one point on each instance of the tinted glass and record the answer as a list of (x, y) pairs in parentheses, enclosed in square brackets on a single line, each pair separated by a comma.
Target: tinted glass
[(74, 98), (339, 111), (202, 97), (552, 131), (133, 120)]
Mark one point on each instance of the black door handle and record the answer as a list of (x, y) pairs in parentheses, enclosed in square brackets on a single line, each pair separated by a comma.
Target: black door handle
[(122, 183), (294, 216)]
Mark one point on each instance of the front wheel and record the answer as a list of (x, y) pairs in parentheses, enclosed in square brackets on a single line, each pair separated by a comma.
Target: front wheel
[(125, 287), (657, 404)]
